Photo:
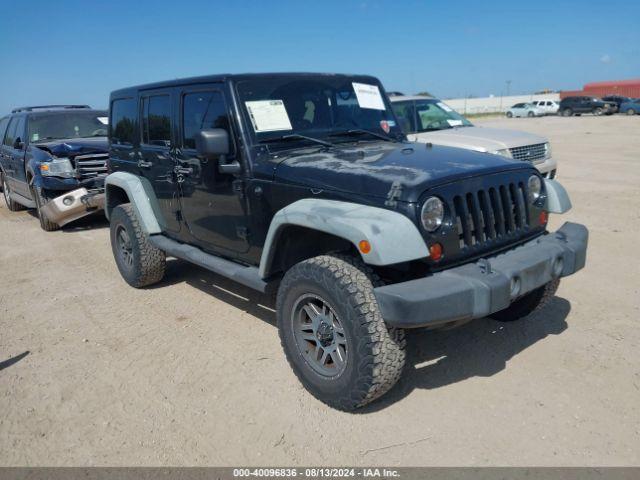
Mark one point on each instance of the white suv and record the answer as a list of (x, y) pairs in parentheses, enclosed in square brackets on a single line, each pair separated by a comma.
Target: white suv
[(549, 107), (428, 120)]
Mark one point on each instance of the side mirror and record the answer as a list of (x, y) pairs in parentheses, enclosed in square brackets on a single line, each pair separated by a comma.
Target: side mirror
[(18, 144), (212, 142)]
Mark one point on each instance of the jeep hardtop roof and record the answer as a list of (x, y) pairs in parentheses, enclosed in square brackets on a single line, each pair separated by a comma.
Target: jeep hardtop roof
[(224, 77)]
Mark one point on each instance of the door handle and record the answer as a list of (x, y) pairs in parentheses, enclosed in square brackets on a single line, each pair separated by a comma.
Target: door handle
[(144, 164)]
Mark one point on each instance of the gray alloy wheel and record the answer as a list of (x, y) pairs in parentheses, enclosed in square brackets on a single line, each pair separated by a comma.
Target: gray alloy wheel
[(631, 111), (319, 334), (597, 111), (124, 247), (567, 112)]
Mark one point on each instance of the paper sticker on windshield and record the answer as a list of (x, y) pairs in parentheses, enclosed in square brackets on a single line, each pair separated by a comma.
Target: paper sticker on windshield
[(268, 115), (454, 123), (445, 107), (368, 96), (104, 120)]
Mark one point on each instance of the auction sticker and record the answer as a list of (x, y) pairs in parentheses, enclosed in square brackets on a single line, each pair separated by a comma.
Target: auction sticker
[(368, 96), (268, 115)]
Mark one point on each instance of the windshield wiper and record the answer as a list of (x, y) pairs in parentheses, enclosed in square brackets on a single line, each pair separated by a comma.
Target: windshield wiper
[(296, 136), (360, 131)]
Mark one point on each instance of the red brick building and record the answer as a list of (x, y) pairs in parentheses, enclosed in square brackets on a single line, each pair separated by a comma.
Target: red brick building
[(627, 88)]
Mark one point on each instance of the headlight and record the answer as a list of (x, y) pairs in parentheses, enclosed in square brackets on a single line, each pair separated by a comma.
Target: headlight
[(505, 152), (534, 187), (58, 167), (432, 214), (547, 150)]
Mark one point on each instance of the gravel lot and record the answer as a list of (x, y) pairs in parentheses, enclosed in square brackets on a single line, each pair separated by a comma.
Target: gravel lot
[(190, 372)]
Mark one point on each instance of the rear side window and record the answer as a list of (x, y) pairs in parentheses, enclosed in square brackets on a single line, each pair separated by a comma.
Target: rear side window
[(15, 131), (122, 124), (156, 120), (202, 110)]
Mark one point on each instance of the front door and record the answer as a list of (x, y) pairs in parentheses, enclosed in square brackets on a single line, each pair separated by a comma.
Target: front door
[(15, 150), (213, 203), (155, 155)]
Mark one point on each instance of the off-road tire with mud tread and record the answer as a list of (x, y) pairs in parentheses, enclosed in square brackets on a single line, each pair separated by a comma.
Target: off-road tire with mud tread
[(528, 304), (40, 199), (148, 261), (377, 353)]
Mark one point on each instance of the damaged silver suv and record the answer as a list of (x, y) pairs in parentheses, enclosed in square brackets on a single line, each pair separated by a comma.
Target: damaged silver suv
[(53, 158)]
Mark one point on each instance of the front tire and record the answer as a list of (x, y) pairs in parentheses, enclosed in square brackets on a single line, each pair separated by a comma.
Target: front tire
[(333, 334), (40, 199), (631, 111), (529, 303), (509, 114), (567, 112), (140, 263), (597, 111), (530, 114)]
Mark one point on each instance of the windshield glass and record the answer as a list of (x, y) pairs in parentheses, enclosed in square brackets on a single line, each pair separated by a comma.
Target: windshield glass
[(316, 106), (428, 115), (55, 126)]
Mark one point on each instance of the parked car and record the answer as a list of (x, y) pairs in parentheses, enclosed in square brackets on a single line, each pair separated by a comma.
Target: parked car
[(304, 185), (630, 107), (524, 110), (617, 100), (53, 158), (429, 120), (578, 105), (548, 107)]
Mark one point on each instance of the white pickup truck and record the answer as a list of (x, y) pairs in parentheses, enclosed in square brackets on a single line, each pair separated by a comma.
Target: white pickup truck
[(429, 120)]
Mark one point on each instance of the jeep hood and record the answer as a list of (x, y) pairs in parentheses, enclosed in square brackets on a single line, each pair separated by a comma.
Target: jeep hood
[(372, 170), (70, 147), (481, 139)]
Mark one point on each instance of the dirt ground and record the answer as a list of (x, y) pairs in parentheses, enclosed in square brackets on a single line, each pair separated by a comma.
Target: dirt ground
[(190, 372)]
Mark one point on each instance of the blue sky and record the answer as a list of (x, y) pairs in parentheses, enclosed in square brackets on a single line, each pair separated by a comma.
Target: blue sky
[(78, 51)]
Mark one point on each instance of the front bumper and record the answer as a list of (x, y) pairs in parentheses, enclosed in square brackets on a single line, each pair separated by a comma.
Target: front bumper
[(73, 205), (487, 286)]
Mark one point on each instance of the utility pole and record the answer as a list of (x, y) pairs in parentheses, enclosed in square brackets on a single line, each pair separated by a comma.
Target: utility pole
[(508, 87)]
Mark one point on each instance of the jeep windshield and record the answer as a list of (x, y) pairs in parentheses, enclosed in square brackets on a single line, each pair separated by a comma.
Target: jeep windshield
[(284, 109), (427, 115), (57, 126)]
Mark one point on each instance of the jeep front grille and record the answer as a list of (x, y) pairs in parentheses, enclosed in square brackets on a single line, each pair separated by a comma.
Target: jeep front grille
[(91, 166), (497, 212), (530, 153)]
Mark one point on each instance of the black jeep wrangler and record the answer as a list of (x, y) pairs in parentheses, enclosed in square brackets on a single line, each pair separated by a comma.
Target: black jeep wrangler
[(54, 158), (304, 185)]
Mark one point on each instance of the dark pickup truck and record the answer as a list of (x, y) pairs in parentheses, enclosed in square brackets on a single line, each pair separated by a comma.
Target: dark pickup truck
[(304, 185), (53, 158)]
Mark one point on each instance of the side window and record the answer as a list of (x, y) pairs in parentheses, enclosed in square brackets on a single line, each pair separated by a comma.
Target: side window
[(10, 137), (19, 134), (122, 124), (156, 121), (406, 116), (201, 110)]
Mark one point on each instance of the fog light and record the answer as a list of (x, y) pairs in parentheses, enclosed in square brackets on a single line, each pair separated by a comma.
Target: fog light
[(435, 251), (68, 200)]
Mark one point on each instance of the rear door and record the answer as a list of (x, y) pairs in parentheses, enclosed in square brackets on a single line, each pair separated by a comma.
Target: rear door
[(213, 203), (155, 160)]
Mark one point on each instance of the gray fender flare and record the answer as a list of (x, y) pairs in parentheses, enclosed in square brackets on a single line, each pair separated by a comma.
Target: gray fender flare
[(141, 196), (393, 237), (557, 197)]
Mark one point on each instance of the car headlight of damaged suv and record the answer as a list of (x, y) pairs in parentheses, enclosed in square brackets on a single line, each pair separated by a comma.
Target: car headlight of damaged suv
[(547, 150), (58, 167), (432, 214), (534, 188)]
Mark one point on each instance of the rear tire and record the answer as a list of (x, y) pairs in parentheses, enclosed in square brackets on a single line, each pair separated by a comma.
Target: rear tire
[(12, 205), (531, 302), (530, 114), (597, 111), (39, 198), (567, 112), (333, 334), (631, 111), (140, 263)]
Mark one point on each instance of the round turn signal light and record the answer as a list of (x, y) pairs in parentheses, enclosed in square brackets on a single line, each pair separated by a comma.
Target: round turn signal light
[(364, 246), (435, 251)]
